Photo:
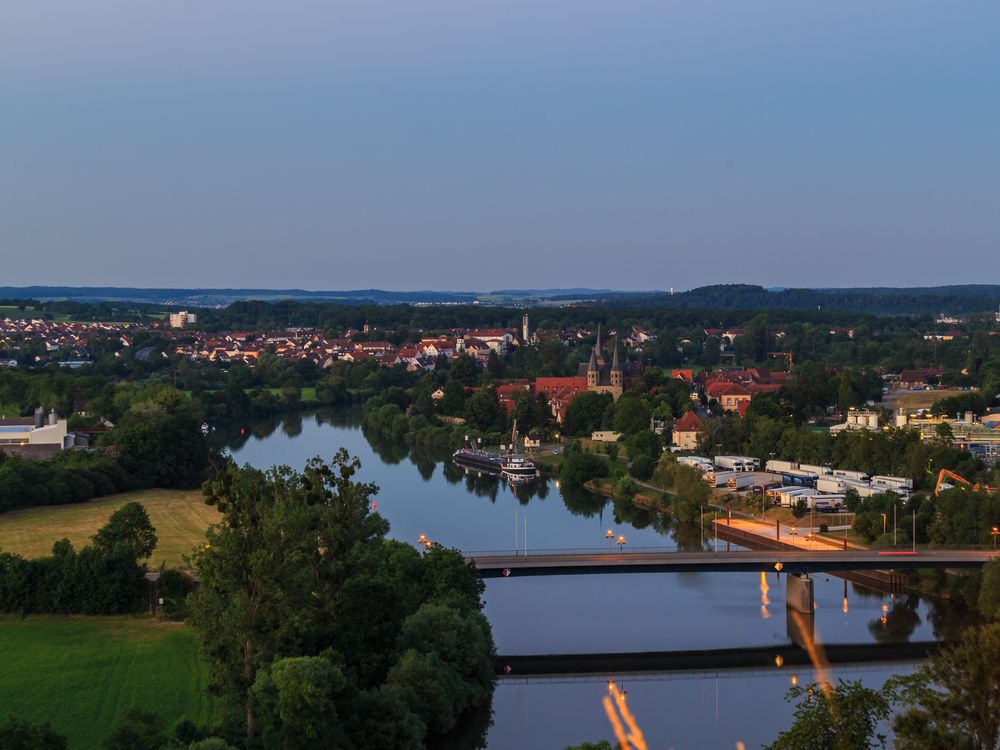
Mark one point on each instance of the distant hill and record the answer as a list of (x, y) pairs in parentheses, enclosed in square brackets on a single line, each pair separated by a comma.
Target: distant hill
[(956, 299)]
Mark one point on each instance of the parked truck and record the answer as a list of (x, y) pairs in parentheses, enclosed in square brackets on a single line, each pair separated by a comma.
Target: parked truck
[(719, 478), (791, 499), (857, 476), (780, 466), (742, 481), (831, 484), (698, 462), (817, 469), (892, 483), (731, 463), (799, 478)]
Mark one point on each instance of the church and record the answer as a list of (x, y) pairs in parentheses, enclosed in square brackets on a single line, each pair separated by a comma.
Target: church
[(614, 378)]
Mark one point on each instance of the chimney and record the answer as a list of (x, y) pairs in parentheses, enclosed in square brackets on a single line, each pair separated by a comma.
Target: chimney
[(53, 417), (39, 417)]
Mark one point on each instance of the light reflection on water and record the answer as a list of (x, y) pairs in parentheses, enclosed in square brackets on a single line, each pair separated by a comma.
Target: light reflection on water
[(422, 494)]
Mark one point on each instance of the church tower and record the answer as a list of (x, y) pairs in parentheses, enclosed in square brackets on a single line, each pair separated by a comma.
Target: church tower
[(616, 370), (593, 372), (598, 349)]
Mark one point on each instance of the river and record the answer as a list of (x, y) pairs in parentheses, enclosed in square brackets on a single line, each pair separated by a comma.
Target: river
[(609, 613)]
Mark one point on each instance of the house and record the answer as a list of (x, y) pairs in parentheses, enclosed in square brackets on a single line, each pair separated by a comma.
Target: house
[(729, 395), (910, 379), (559, 392), (685, 433)]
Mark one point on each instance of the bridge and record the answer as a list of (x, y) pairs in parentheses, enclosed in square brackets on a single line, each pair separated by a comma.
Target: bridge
[(759, 657), (558, 563)]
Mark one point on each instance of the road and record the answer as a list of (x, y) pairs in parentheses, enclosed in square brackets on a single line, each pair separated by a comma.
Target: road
[(791, 561)]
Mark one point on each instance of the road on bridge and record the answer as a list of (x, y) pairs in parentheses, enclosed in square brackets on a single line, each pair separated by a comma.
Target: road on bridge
[(791, 561)]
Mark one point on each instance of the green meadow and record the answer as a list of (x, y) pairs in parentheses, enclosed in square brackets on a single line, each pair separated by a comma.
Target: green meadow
[(81, 674)]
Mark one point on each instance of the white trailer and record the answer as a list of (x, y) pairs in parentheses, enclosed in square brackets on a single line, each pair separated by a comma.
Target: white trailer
[(791, 499), (892, 483), (696, 461), (730, 463), (780, 466), (742, 481), (832, 484), (857, 476), (719, 478), (817, 469)]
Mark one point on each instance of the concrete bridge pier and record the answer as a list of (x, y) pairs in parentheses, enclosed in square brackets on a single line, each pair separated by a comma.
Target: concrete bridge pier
[(799, 593)]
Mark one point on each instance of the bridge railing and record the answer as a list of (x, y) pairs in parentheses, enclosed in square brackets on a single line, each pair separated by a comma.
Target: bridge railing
[(568, 551), (708, 550)]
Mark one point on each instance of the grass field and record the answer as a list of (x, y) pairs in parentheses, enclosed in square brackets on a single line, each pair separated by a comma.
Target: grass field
[(180, 518), (80, 674)]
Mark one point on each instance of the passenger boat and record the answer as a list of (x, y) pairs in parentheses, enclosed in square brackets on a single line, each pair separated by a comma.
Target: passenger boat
[(515, 466)]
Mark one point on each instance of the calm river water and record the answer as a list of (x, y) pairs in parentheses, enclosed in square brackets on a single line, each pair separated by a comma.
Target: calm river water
[(584, 614)]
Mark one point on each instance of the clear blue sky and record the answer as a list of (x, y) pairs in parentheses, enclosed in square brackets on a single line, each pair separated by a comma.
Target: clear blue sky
[(481, 144)]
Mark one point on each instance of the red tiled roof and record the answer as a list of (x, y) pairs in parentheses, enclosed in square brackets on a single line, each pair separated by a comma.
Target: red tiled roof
[(690, 422)]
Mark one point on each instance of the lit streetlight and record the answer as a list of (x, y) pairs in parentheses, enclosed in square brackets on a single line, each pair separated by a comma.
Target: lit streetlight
[(883, 523), (427, 543), (621, 542), (994, 532), (609, 535)]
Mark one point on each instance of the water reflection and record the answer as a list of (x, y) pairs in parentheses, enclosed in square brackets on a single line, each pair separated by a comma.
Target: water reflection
[(423, 491)]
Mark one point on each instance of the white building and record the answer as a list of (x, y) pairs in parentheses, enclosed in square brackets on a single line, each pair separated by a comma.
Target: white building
[(182, 318), (38, 431)]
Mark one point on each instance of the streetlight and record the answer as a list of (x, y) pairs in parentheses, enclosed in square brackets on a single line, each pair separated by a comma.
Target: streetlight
[(793, 532), (883, 524), (994, 532), (621, 542), (427, 543), (609, 535)]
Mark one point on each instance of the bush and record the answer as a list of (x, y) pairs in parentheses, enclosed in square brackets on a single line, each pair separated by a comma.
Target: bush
[(642, 467)]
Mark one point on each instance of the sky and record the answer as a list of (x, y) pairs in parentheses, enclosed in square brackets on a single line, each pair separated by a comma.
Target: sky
[(479, 144)]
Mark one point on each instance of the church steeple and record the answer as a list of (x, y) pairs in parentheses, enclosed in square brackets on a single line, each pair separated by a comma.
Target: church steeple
[(593, 372), (616, 369), (598, 349)]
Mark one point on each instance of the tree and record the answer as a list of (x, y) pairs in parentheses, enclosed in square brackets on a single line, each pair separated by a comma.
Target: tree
[(129, 531), (642, 467), (841, 717), (464, 370), (300, 692), (989, 590), (16, 734), (954, 698), (257, 569), (585, 412), (482, 410), (161, 445), (138, 730), (632, 415), (453, 402), (578, 468)]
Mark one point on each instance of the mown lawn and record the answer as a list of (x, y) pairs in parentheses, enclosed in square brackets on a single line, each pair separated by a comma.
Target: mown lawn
[(180, 518), (80, 674)]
